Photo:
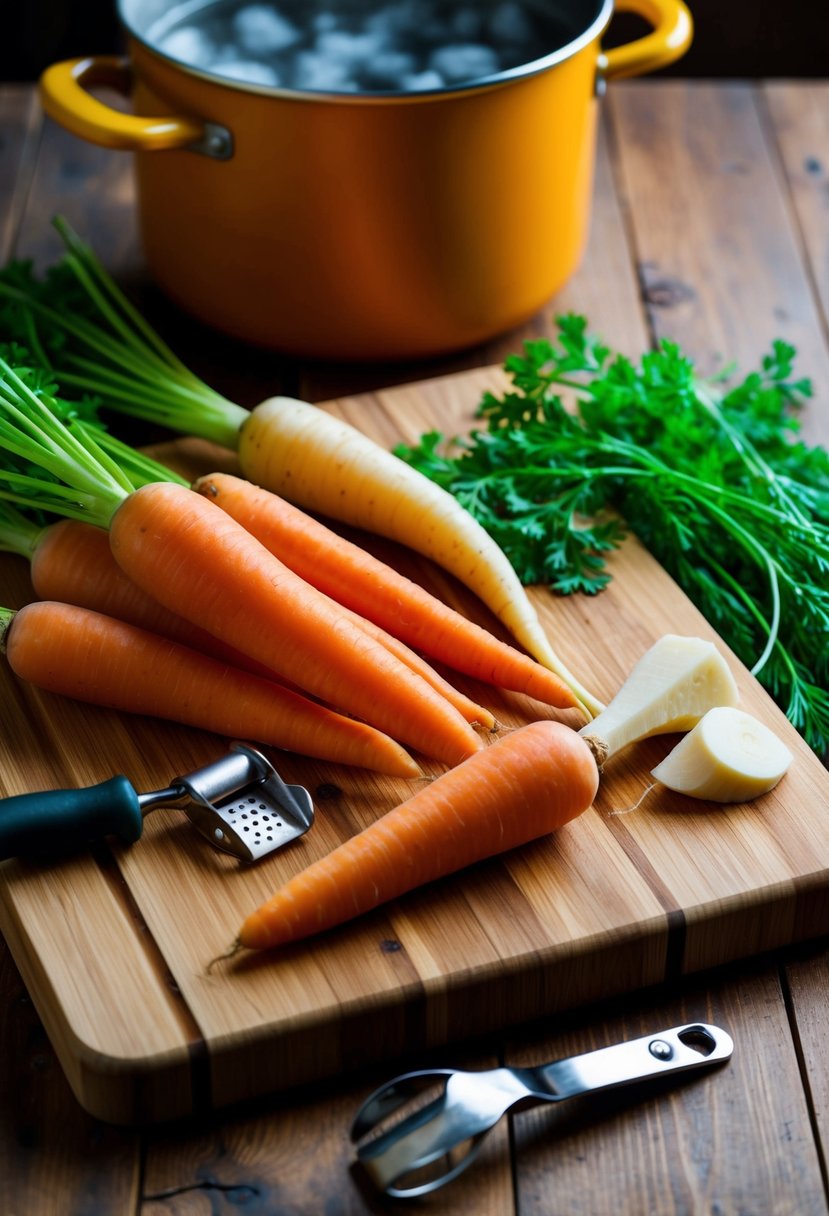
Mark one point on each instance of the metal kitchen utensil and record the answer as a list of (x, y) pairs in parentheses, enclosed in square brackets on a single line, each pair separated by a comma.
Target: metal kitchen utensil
[(404, 1137), (239, 803)]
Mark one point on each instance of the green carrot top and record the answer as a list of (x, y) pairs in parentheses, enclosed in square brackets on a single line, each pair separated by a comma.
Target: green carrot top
[(53, 458), (78, 323)]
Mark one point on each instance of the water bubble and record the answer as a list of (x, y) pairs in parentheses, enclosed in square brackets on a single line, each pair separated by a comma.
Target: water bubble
[(464, 61), (189, 45), (421, 82), (341, 47), (390, 69), (321, 74), (261, 30)]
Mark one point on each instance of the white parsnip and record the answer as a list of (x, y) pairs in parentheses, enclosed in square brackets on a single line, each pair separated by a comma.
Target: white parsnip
[(728, 757)]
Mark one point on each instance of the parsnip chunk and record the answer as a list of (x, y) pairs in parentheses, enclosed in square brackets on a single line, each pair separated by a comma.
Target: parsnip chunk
[(674, 683), (727, 757)]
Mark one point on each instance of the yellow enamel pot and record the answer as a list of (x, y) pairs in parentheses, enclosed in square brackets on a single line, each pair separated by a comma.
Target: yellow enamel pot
[(362, 225)]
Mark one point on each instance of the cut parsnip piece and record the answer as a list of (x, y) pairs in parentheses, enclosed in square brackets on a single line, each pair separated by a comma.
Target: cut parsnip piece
[(674, 683), (727, 757)]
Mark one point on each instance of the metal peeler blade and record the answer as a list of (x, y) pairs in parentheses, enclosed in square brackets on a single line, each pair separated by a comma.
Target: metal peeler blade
[(242, 806)]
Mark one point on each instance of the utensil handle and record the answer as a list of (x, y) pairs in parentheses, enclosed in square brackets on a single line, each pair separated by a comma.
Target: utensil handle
[(58, 821), (668, 1051), (65, 94), (673, 30)]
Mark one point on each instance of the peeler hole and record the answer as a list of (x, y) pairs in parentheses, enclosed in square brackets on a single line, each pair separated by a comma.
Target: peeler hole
[(698, 1039)]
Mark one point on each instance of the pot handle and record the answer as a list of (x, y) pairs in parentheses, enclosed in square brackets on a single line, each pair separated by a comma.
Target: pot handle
[(673, 29), (64, 93)]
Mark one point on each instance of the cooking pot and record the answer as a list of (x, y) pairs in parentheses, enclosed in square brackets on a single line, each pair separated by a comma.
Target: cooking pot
[(362, 225)]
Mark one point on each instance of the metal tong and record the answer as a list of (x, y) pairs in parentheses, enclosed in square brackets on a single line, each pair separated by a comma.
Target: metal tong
[(239, 803), (412, 1148)]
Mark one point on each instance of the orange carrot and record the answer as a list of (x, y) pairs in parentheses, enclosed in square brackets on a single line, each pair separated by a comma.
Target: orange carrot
[(199, 563), (369, 587), (71, 562), (91, 657), (527, 784)]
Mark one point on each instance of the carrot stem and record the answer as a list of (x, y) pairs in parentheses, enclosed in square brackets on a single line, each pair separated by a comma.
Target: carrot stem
[(18, 534), (6, 618)]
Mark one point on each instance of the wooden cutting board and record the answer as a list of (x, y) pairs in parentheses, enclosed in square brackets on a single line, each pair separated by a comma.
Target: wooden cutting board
[(114, 946)]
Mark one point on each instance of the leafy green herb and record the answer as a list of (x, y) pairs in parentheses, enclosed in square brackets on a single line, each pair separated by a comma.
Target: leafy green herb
[(712, 478)]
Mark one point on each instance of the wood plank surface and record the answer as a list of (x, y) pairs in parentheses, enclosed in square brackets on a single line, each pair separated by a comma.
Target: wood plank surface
[(738, 1140), (797, 118), (799, 124), (40, 1153), (712, 227)]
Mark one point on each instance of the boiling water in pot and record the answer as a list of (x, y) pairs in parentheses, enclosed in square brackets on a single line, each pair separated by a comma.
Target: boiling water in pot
[(348, 47)]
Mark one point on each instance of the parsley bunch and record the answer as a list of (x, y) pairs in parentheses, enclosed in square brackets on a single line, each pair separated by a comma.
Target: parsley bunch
[(712, 478)]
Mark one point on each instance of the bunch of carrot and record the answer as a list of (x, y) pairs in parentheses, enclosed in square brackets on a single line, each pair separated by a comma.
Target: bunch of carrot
[(161, 559), (102, 345)]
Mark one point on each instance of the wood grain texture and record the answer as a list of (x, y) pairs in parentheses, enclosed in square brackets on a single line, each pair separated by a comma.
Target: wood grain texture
[(798, 115), (711, 225), (54, 1158), (609, 903), (20, 123), (282, 1156)]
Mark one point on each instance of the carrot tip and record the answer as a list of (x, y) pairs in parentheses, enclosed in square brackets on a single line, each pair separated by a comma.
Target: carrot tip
[(231, 952)]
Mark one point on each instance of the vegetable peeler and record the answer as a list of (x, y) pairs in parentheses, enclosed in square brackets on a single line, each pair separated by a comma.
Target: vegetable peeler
[(239, 803), (410, 1148)]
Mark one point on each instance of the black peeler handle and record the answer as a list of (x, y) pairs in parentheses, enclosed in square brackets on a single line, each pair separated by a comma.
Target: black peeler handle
[(55, 822)]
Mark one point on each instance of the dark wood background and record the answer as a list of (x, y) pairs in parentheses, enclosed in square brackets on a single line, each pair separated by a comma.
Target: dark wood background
[(733, 38)]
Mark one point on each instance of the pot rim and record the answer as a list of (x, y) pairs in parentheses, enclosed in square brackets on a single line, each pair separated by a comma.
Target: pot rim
[(532, 68)]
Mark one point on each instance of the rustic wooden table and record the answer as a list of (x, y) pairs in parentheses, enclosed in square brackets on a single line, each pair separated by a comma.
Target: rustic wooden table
[(710, 226)]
